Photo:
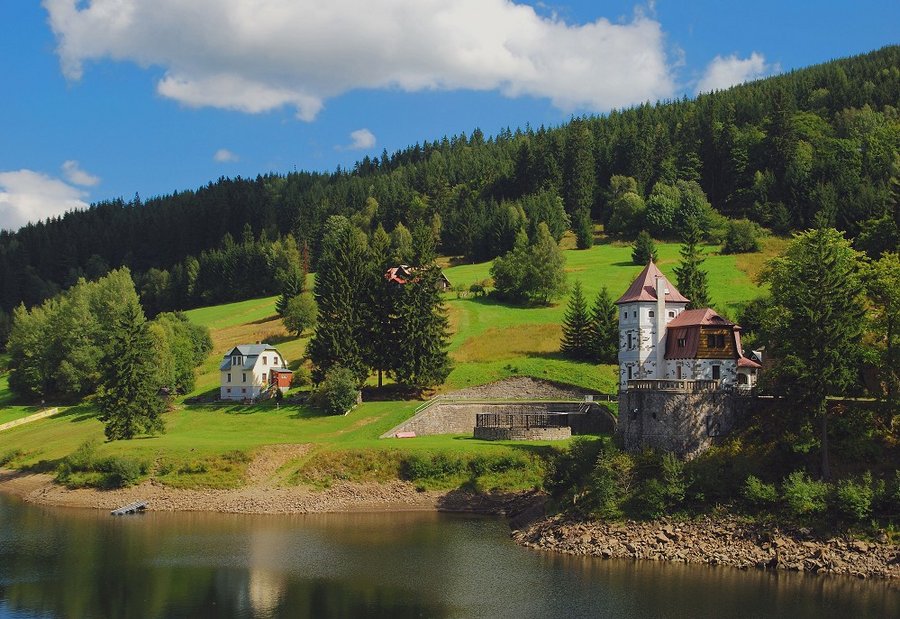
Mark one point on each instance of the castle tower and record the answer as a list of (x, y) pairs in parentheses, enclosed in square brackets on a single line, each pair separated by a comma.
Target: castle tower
[(644, 311)]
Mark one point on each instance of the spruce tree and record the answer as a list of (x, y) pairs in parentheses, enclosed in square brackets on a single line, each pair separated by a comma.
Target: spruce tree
[(381, 322), (576, 337), (127, 397), (604, 329), (340, 293), (583, 228), (691, 279), (814, 325), (421, 358), (644, 250)]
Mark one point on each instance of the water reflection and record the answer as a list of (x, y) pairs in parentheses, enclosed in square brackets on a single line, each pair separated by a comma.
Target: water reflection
[(75, 563)]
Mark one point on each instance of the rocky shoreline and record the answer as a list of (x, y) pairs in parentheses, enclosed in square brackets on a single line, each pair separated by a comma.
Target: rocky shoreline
[(714, 541)]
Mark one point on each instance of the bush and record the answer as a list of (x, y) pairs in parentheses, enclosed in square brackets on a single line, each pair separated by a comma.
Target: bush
[(9, 456), (338, 392), (650, 500), (302, 377), (741, 236), (120, 472), (853, 498), (422, 466), (759, 493), (803, 495), (610, 484), (568, 470)]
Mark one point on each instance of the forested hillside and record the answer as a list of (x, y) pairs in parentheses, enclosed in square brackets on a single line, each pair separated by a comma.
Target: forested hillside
[(815, 146)]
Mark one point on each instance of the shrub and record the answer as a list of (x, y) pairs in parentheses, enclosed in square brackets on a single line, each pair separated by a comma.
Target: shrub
[(610, 483), (423, 466), (120, 472), (803, 495), (673, 479), (759, 493), (338, 392), (9, 456), (302, 377), (741, 236), (650, 500), (568, 470), (853, 498)]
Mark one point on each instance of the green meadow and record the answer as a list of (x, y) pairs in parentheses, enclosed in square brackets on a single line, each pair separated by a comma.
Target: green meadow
[(490, 340)]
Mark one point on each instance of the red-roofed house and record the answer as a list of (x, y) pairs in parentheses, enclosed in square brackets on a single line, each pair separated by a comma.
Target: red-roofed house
[(404, 273), (659, 339)]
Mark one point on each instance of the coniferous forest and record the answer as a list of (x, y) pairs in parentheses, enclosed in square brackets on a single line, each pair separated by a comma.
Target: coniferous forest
[(815, 147)]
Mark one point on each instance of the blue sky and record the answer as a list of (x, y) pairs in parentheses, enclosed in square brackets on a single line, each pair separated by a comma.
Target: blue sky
[(106, 98)]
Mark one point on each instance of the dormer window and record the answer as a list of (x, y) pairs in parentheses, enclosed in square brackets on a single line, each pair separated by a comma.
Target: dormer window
[(236, 360), (682, 342), (671, 314)]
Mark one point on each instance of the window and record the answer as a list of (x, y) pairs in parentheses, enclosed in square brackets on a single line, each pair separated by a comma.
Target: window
[(228, 390), (629, 372), (710, 341), (243, 390), (229, 378), (275, 360), (678, 372), (243, 377), (671, 314), (682, 342), (717, 372), (630, 343), (264, 360), (652, 314), (720, 341)]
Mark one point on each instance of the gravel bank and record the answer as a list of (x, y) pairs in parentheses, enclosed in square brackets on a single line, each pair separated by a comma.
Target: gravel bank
[(719, 541)]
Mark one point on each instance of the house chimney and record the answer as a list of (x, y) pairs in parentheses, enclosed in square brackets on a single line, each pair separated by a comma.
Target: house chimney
[(661, 291)]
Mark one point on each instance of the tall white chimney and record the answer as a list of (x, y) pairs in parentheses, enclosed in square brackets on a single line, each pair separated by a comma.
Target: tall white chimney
[(661, 291)]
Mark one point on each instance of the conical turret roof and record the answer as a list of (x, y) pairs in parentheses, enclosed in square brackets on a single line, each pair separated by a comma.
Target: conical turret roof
[(644, 288)]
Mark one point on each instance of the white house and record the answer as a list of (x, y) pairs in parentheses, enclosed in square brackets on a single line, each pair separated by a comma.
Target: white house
[(659, 339), (250, 369)]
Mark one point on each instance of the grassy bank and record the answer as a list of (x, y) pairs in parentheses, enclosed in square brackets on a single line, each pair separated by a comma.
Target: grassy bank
[(212, 445)]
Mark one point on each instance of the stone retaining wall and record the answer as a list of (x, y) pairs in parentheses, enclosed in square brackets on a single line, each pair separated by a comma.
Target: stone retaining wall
[(459, 417), (523, 434)]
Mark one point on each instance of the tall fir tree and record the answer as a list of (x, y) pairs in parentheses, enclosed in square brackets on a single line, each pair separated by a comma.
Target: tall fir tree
[(814, 324), (584, 229), (128, 397), (421, 360), (381, 321), (644, 249), (576, 327), (691, 279), (340, 293), (604, 329)]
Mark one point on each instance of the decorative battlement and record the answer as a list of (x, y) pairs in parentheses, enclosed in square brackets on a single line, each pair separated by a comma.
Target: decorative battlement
[(678, 386)]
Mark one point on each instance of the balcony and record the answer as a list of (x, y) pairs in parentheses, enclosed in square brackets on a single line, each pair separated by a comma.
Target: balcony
[(678, 386)]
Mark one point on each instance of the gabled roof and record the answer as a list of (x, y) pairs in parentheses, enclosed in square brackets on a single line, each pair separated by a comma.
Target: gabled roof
[(701, 317), (249, 352), (644, 288)]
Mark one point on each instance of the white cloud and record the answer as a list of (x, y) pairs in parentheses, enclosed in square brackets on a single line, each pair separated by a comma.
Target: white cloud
[(26, 196), (223, 155), (724, 72), (259, 56), (74, 174), (361, 139)]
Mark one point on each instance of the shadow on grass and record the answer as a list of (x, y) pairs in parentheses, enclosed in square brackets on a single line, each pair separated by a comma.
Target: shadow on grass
[(263, 321), (78, 413)]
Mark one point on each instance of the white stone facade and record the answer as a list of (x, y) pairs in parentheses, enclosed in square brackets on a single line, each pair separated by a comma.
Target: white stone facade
[(638, 340)]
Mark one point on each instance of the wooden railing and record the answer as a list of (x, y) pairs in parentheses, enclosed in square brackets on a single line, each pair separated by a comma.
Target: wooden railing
[(682, 386), (521, 420)]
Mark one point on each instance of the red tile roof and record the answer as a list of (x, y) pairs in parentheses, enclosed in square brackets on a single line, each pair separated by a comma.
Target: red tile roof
[(644, 288), (702, 316)]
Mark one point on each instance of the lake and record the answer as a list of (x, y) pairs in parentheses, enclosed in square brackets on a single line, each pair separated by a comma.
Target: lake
[(82, 563)]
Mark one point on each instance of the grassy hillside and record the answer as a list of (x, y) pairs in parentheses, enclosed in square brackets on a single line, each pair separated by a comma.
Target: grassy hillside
[(209, 445)]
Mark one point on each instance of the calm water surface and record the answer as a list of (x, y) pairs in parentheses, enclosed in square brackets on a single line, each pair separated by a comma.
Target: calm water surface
[(82, 564)]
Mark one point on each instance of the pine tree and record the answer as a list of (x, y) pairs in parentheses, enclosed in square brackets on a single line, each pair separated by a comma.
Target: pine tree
[(644, 250), (340, 293), (584, 229), (421, 358), (814, 325), (691, 279), (293, 286), (381, 323), (576, 338), (546, 278), (127, 397), (604, 329)]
